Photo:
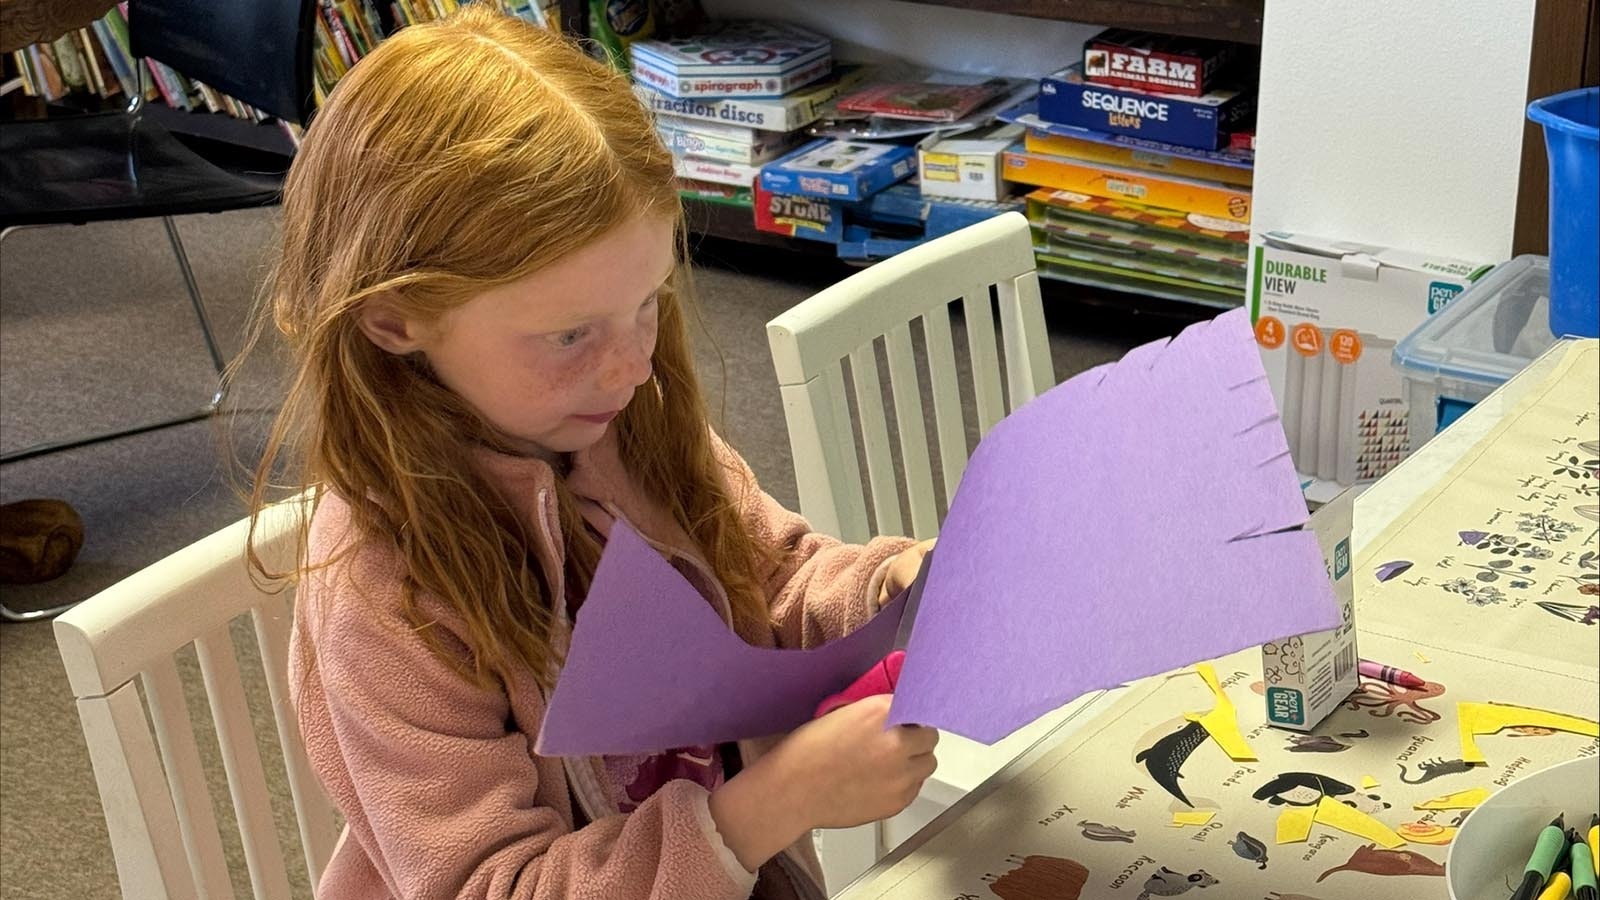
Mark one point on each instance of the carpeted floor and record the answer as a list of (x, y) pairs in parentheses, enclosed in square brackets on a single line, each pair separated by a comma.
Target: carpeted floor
[(96, 332)]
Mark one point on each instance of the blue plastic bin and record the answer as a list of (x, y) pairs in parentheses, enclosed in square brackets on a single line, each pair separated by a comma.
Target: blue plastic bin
[(1572, 138)]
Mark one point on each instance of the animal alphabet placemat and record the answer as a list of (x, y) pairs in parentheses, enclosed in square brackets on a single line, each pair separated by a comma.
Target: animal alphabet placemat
[(1144, 804), (1503, 553)]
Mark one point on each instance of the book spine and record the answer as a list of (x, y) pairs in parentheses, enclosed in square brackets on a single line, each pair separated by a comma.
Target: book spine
[(113, 53), (52, 87), (25, 72)]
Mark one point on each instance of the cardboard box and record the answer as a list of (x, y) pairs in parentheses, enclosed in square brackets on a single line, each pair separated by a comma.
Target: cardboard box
[(733, 59), (787, 113), (1309, 676), (724, 143), (1204, 122), (1144, 60), (967, 167), (1137, 158), (838, 169), (1327, 315), (1230, 203), (736, 174), (795, 216)]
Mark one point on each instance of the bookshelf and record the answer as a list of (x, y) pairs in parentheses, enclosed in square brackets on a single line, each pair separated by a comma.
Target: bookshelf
[(1229, 20)]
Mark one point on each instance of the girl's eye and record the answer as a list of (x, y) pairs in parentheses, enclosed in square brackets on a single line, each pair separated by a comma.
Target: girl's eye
[(570, 337)]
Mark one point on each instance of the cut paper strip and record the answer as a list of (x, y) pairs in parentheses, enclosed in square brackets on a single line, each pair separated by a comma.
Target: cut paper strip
[(1092, 523), (1294, 824), (1137, 518), (1368, 782), (1473, 719), (1334, 814), (1199, 817), (1222, 723), (1467, 799), (1427, 833), (622, 691)]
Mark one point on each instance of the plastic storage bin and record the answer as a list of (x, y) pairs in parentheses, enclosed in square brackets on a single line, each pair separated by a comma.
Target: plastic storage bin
[(1487, 334), (1572, 138)]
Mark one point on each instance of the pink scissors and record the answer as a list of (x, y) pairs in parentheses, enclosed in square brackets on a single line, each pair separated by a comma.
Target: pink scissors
[(885, 673)]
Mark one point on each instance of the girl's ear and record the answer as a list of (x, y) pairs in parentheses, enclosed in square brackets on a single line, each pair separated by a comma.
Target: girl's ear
[(381, 320)]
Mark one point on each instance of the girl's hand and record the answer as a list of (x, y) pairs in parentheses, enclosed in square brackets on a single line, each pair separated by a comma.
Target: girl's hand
[(838, 771), (903, 570)]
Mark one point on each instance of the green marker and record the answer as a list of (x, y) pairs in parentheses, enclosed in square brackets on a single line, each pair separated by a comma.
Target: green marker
[(1583, 881), (1551, 841)]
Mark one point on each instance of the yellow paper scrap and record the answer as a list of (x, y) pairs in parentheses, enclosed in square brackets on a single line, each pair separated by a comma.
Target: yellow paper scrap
[(1199, 817), (1474, 719), (1221, 722), (1294, 824), (1368, 782), (1468, 799), (1427, 833), (1332, 813), (1419, 656)]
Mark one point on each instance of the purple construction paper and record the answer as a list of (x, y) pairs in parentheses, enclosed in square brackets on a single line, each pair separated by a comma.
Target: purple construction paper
[(652, 667), (1129, 521)]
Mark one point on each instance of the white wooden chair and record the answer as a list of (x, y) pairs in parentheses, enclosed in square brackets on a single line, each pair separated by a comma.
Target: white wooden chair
[(810, 342), (153, 787), (978, 265)]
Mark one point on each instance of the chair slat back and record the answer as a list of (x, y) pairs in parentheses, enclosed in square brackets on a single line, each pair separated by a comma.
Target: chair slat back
[(153, 784), (985, 268)]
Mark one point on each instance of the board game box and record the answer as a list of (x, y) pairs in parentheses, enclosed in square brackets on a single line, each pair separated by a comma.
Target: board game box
[(839, 169), (1229, 203), (787, 113), (1135, 158), (1204, 122), (923, 101), (724, 143), (733, 59), (1143, 60)]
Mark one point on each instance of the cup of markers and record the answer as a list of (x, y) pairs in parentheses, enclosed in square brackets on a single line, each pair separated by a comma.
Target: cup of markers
[(1537, 839)]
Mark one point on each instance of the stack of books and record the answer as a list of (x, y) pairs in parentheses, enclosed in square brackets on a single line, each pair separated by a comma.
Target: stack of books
[(734, 96), (347, 30), (1141, 183)]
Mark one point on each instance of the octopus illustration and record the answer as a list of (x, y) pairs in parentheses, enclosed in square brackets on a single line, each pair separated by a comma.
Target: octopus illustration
[(1382, 699), (1037, 877)]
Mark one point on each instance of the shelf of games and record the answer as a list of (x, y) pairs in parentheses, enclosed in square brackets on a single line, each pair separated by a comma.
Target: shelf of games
[(1133, 161)]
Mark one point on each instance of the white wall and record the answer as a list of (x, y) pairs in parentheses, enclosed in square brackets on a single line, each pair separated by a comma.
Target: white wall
[(1393, 123), (937, 36)]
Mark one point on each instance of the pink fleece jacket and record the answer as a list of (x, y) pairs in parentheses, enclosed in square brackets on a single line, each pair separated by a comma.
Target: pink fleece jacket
[(442, 793)]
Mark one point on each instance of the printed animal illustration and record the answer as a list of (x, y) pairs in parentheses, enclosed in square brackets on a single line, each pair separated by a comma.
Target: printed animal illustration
[(1382, 700), (1094, 831), (1040, 878), (1316, 743), (1373, 861), (1308, 788), (1167, 756), (1247, 847), (1430, 769), (1167, 883)]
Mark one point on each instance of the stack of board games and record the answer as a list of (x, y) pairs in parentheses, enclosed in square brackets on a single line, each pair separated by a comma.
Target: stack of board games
[(885, 223), (1137, 182), (733, 96)]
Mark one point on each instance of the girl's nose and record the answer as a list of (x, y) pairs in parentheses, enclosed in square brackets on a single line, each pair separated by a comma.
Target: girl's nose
[(628, 365)]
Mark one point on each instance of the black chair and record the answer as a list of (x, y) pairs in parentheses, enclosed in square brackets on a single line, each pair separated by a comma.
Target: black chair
[(126, 165)]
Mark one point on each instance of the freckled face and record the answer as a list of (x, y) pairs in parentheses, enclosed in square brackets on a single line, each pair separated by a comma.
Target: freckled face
[(550, 359)]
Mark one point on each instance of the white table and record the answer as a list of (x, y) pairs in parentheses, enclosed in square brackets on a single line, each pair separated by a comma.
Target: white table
[(1375, 508)]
